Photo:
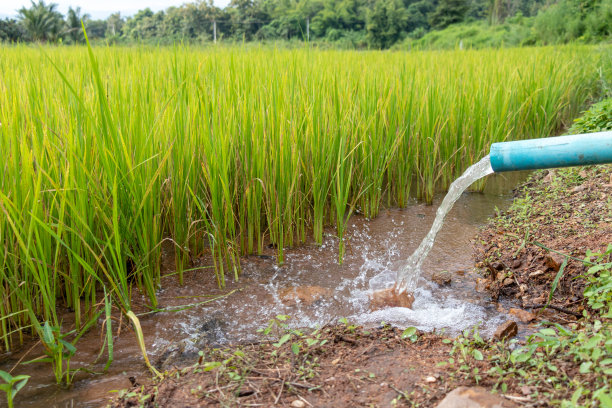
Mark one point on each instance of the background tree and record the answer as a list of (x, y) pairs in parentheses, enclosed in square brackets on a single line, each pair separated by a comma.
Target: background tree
[(246, 18), (142, 26), (42, 22), (416, 15), (338, 16), (96, 29), (386, 23), (114, 26), (74, 29), (448, 12), (11, 31)]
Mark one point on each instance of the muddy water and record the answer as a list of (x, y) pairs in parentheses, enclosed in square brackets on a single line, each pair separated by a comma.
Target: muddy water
[(374, 247)]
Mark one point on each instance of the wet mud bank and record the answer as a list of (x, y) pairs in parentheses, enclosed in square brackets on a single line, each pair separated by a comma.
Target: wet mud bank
[(534, 252)]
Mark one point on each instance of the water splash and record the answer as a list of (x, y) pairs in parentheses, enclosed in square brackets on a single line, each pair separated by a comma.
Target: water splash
[(408, 275)]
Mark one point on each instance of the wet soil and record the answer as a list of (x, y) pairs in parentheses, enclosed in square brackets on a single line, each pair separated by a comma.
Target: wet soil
[(348, 366)]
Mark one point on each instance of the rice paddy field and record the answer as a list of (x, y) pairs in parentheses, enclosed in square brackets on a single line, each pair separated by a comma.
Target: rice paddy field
[(108, 152)]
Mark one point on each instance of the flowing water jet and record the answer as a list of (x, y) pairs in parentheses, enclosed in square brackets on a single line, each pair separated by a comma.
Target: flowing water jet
[(401, 293), (562, 151)]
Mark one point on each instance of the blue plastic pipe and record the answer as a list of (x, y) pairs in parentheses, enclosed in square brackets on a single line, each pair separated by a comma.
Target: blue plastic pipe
[(561, 151)]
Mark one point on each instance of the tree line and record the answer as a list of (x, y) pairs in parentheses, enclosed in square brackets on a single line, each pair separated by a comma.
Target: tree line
[(374, 24)]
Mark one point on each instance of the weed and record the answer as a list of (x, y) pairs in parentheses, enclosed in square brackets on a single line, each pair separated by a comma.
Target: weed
[(12, 385)]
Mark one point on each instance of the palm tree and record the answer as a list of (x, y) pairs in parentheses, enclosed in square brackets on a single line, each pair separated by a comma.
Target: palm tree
[(42, 22), (73, 24)]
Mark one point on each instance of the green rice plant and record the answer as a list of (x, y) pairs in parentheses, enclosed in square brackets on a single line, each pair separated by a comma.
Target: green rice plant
[(58, 352), (110, 151)]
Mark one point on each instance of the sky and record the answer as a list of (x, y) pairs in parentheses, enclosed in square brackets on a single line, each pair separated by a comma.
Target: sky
[(98, 9)]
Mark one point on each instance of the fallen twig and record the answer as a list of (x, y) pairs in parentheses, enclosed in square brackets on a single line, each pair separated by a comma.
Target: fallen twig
[(557, 308)]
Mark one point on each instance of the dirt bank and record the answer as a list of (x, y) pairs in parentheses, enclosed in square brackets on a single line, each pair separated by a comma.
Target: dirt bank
[(543, 239), (343, 366)]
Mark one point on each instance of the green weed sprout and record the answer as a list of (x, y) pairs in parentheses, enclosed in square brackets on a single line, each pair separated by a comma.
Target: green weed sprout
[(12, 385)]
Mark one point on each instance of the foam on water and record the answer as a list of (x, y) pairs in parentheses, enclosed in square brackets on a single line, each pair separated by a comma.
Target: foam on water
[(375, 250), (430, 313)]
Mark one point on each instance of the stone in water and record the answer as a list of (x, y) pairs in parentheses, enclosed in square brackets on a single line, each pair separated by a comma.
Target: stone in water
[(390, 298)]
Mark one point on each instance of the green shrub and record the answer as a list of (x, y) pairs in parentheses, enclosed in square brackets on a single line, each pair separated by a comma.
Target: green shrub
[(597, 119)]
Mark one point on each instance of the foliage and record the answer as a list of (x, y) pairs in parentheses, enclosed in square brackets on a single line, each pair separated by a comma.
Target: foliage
[(12, 385), (476, 35), (74, 25), (598, 118), (385, 23), (11, 31), (58, 352), (448, 12), (42, 22), (599, 277), (376, 24), (569, 20)]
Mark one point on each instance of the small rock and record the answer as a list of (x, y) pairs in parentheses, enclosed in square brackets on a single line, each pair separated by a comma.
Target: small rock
[(474, 397), (508, 281), (536, 273), (442, 278), (498, 266), (430, 379), (336, 361), (506, 330), (517, 263), (390, 298), (554, 261), (298, 403), (481, 284), (578, 189), (303, 294), (548, 177), (523, 315)]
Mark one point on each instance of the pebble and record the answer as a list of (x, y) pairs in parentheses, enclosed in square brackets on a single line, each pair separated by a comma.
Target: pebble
[(473, 397), (523, 315), (536, 273), (506, 330), (442, 278), (298, 403), (554, 261)]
